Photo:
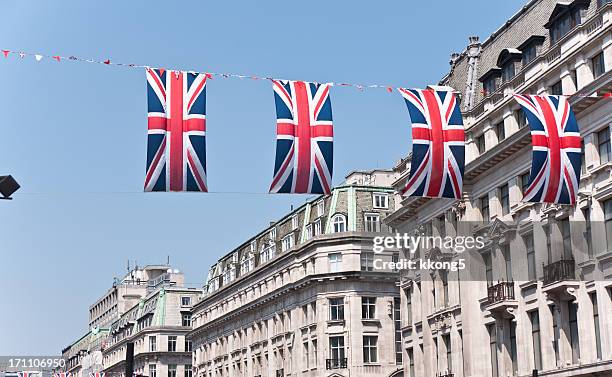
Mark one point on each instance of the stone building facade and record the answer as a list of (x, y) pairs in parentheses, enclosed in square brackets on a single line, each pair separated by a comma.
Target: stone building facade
[(111, 318), (301, 298), (156, 326), (537, 296)]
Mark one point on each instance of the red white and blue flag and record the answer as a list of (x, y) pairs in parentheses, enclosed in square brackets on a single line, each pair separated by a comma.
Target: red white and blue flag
[(176, 151), (62, 374), (97, 374), (438, 144), (556, 162), (29, 374), (304, 138)]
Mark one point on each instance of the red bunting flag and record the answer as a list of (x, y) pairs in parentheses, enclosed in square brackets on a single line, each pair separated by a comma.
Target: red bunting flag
[(5, 52), (57, 57)]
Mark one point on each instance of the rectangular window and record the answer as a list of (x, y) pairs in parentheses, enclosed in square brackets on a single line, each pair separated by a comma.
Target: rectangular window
[(188, 345), (152, 344), (556, 89), (480, 144), (603, 145), (397, 320), (314, 353), (186, 320), (171, 343), (294, 222), (493, 349), (484, 208), (335, 262), (489, 86), (188, 370), (185, 301), (171, 370), (336, 309), (524, 181), (306, 355), (380, 200), (556, 334), (308, 231), (504, 198), (608, 223), (535, 338), (531, 263), (317, 227), (529, 54), (573, 326), (593, 297), (488, 268), (564, 226), (367, 261), (372, 222), (370, 350), (446, 339), (408, 306), (500, 130), (587, 231), (505, 249), (599, 66), (368, 307), (288, 242), (152, 370), (513, 347), (521, 118), (508, 71), (336, 349), (320, 208), (411, 363)]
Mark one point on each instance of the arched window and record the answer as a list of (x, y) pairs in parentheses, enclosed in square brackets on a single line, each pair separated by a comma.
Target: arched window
[(268, 251), (338, 223)]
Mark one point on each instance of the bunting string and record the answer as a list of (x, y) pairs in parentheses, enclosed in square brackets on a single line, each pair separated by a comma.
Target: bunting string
[(108, 62)]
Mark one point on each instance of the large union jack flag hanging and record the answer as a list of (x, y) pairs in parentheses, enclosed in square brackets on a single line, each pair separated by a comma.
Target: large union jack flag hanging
[(438, 144), (304, 138), (176, 152), (555, 167)]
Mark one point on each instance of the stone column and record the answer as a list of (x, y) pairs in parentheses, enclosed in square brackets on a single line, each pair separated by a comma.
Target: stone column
[(584, 75), (567, 82)]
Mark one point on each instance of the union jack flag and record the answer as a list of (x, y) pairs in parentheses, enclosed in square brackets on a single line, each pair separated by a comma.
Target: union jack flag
[(97, 374), (555, 166), (304, 138), (176, 152), (438, 144), (62, 374)]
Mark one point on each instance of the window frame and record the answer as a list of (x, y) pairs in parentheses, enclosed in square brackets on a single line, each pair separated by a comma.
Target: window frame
[(338, 226), (382, 198)]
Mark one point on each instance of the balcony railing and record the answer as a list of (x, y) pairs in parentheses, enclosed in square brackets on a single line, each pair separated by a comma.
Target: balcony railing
[(335, 363), (446, 374), (280, 373), (560, 270), (500, 292)]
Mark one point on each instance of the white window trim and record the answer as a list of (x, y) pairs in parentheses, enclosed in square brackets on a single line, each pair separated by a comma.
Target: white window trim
[(380, 194)]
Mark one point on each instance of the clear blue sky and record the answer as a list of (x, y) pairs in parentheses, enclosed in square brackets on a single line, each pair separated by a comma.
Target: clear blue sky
[(74, 134)]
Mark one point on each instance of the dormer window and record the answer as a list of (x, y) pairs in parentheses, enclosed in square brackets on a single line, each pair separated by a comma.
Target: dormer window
[(490, 81), (508, 72), (564, 18), (508, 60), (531, 48)]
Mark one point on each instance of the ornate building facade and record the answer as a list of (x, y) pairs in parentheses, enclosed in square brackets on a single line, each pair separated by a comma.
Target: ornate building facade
[(302, 297), (155, 327), (538, 294)]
